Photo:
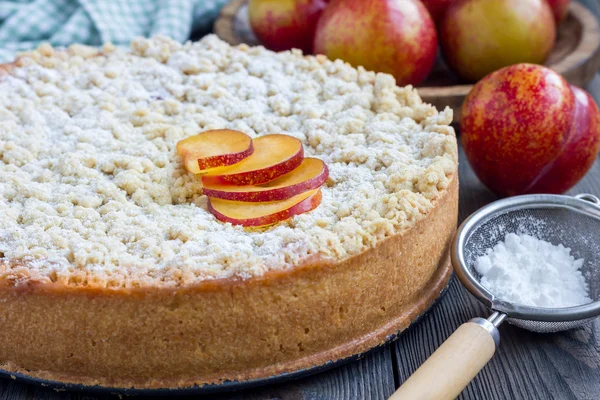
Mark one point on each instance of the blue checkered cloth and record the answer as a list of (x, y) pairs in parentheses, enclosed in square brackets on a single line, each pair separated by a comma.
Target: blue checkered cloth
[(25, 24)]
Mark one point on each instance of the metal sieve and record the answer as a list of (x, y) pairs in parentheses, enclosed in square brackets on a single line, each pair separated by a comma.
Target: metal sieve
[(571, 221)]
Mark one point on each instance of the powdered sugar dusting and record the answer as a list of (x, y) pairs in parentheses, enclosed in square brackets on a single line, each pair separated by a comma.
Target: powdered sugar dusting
[(525, 270), (92, 190)]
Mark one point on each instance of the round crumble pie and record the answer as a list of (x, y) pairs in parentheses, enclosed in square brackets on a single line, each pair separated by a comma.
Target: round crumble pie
[(112, 270)]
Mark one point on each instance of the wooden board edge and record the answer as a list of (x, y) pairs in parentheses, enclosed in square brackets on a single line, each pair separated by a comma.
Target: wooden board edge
[(223, 27), (579, 66)]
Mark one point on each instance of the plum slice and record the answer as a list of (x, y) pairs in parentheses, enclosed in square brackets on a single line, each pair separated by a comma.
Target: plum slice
[(213, 149), (310, 174), (264, 213), (274, 155)]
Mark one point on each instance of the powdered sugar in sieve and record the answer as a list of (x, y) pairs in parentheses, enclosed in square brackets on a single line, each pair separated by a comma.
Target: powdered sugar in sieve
[(544, 222)]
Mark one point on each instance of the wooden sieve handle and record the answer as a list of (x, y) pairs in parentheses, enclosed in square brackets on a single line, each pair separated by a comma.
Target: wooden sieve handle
[(453, 365)]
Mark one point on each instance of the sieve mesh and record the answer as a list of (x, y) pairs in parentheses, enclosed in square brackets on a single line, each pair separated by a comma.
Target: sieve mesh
[(559, 225)]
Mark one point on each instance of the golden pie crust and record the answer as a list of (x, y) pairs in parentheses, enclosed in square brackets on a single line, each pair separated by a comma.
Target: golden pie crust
[(232, 329)]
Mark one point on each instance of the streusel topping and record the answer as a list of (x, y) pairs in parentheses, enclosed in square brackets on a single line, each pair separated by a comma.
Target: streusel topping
[(92, 190)]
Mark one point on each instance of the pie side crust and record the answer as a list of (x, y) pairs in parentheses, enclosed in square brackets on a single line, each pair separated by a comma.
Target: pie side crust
[(228, 330)]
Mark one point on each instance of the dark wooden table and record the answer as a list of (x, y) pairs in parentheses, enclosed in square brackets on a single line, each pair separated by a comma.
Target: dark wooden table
[(527, 365)]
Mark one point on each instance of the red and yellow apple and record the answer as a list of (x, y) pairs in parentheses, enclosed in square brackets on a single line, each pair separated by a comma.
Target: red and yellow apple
[(274, 155), (393, 36), (526, 130), (559, 9), (215, 148), (437, 8), (285, 24), (263, 213), (311, 174), (481, 36)]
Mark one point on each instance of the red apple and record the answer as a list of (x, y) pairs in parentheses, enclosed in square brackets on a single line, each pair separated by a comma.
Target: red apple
[(437, 8), (515, 123), (393, 36), (481, 36), (267, 213), (274, 155), (311, 174), (559, 9), (285, 24)]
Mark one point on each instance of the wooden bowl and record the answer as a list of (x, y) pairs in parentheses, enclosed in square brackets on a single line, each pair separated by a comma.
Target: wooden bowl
[(576, 54)]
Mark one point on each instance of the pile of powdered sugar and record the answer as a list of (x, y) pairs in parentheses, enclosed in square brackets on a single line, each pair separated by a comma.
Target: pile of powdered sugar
[(525, 270)]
